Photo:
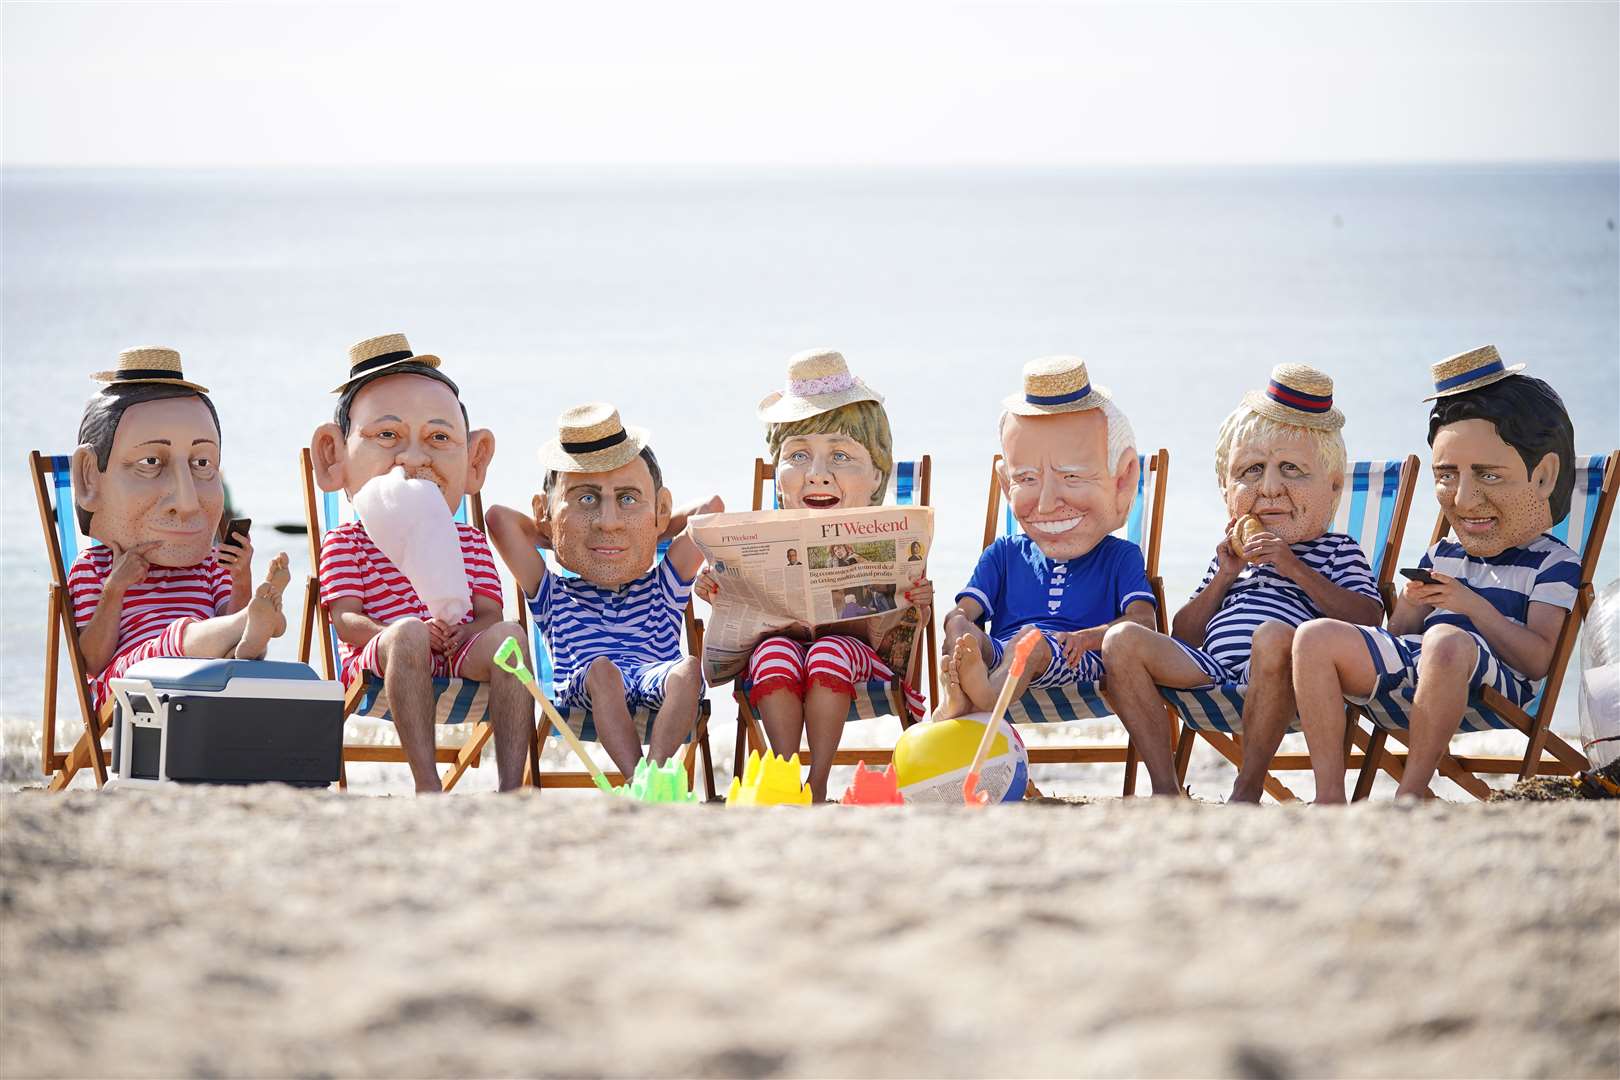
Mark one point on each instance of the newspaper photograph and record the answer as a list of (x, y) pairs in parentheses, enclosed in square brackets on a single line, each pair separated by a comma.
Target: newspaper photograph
[(806, 573)]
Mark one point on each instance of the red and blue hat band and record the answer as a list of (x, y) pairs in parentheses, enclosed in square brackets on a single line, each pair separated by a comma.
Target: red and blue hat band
[(1296, 399)]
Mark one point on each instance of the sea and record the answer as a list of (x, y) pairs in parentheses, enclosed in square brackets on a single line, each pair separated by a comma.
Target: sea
[(679, 294)]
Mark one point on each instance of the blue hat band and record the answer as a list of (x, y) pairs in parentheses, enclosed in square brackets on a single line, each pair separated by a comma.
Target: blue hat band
[(1058, 399), (1493, 368)]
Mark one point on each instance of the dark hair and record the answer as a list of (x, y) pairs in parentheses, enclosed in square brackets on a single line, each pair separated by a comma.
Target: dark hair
[(346, 402), (645, 455), (102, 413), (1529, 416)]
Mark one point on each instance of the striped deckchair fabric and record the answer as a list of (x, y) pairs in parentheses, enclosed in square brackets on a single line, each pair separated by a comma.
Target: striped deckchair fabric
[(1591, 506), (460, 705), (1084, 701), (876, 698), (53, 493), (1373, 509)]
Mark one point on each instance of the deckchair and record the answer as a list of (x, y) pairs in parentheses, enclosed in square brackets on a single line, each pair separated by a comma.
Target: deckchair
[(1591, 506), (1084, 701), (53, 492), (1373, 509), (642, 717), (461, 705), (913, 482)]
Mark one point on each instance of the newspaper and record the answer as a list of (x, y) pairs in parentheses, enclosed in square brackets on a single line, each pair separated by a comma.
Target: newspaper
[(808, 573)]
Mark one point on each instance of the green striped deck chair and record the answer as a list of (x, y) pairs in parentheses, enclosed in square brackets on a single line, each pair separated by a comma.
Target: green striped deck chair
[(53, 492), (1373, 508), (912, 487), (1084, 701), (1590, 508), (584, 725), (460, 705)]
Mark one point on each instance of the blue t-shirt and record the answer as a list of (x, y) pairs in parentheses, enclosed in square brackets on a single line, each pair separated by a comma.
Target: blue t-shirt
[(1018, 586), (1544, 571), (635, 625)]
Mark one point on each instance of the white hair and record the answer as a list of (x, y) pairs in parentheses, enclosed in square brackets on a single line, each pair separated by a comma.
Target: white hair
[(1244, 424), (1121, 437)]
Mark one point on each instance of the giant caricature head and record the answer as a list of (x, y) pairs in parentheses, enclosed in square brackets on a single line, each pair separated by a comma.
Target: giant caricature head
[(1503, 452), (147, 464), (603, 503), (398, 408), (1280, 455), (828, 436), (1069, 466)]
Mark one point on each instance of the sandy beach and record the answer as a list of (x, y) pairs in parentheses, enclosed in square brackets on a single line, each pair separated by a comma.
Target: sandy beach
[(267, 932)]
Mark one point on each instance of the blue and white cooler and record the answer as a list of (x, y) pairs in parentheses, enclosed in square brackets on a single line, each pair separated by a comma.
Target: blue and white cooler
[(226, 722)]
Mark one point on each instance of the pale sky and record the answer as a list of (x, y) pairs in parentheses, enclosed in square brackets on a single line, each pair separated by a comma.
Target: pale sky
[(688, 82)]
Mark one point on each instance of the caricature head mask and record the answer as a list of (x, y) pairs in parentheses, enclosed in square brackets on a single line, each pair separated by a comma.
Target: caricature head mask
[(399, 409), (1280, 455), (1069, 467), (1503, 455), (828, 436), (147, 464)]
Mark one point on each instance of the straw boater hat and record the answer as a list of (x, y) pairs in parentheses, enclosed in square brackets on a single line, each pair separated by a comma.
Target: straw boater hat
[(592, 439), (818, 381), (1053, 385), (148, 364), (1299, 395), (1469, 371), (375, 354)]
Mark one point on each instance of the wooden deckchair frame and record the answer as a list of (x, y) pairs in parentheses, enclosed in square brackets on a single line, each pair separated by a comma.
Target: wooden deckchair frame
[(1465, 770), (59, 629), (749, 733), (317, 625), (1356, 740), (579, 778), (1157, 465)]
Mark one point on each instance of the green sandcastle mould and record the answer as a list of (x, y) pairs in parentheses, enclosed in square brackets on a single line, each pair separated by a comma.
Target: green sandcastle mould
[(664, 783)]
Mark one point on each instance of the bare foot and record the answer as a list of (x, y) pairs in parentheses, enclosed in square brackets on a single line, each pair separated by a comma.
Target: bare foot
[(955, 701), (264, 617), (973, 676)]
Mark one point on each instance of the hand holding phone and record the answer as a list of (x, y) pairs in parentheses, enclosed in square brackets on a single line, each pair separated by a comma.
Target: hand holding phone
[(1419, 573), (238, 527)]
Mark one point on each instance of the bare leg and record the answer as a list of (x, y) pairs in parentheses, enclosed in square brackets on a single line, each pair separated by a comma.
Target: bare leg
[(511, 709), (677, 717), (958, 627), (825, 711), (1444, 669), (984, 687), (614, 727), (264, 617), (405, 654), (1138, 662), (1330, 661), (954, 701), (1268, 706), (782, 713)]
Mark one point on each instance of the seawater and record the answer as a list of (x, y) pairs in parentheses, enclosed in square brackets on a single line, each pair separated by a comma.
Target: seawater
[(679, 295)]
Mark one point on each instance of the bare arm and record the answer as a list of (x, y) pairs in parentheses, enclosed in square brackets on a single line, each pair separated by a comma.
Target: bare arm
[(1192, 620), (679, 515), (684, 554), (1076, 642), (1333, 601), (350, 623), (517, 538), (966, 610), (1525, 647), (98, 640)]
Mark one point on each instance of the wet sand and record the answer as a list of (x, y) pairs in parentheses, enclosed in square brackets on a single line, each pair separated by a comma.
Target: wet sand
[(262, 931)]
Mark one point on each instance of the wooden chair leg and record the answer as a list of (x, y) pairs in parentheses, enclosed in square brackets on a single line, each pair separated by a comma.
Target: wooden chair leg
[(1451, 770), (47, 741), (1129, 788), (470, 752), (1232, 750), (1374, 750), (708, 764), (1184, 746)]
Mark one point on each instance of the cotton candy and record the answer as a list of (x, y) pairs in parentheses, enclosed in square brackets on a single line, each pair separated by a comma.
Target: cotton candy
[(409, 522)]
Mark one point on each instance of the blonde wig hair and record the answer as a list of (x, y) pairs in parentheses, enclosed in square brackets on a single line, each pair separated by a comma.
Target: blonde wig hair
[(1244, 424), (863, 421)]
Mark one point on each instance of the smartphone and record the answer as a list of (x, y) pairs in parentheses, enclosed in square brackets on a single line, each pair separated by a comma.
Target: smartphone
[(238, 527), (1419, 574)]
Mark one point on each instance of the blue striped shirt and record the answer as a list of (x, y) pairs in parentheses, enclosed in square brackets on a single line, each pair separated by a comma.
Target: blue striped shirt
[(1545, 571), (1261, 594), (1018, 586), (635, 625)]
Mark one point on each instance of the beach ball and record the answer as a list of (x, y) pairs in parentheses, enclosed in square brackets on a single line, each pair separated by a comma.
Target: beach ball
[(931, 760)]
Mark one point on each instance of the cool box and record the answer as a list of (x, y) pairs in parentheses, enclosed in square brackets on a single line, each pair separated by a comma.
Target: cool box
[(226, 722)]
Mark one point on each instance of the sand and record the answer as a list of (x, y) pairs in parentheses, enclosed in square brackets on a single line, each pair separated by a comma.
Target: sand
[(263, 931)]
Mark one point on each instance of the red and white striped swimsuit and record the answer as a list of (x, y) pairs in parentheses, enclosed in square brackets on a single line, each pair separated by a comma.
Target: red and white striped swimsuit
[(353, 566), (153, 619), (835, 661)]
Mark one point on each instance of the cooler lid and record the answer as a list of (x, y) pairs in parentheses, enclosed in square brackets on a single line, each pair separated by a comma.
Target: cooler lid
[(170, 673)]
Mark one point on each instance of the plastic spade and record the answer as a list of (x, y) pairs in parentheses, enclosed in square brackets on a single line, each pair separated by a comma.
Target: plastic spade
[(971, 795), (509, 658)]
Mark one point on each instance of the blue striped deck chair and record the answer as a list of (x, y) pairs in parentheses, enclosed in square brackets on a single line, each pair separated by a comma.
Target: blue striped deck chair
[(1084, 701), (1373, 508), (913, 481), (1590, 508), (459, 704), (53, 491), (586, 728)]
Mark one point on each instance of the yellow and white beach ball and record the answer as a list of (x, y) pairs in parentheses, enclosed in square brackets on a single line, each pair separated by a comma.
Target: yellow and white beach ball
[(931, 760)]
